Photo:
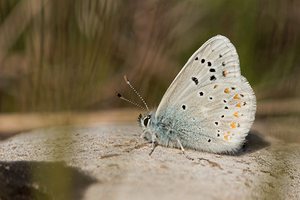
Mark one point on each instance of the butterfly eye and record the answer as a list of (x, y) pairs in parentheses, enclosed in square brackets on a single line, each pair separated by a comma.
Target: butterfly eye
[(146, 121)]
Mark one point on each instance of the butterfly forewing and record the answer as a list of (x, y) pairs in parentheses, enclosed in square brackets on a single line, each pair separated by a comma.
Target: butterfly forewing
[(215, 61)]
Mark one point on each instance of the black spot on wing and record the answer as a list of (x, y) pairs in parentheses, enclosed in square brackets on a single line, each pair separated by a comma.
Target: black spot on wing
[(213, 78), (195, 80)]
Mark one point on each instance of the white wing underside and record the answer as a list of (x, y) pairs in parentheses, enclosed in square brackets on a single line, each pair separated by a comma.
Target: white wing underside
[(219, 104)]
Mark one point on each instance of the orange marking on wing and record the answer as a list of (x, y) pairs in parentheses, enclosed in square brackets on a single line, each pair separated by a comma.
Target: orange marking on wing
[(224, 73), (238, 105), (226, 137), (215, 86), (227, 90), (236, 97), (236, 114), (233, 125), (228, 132)]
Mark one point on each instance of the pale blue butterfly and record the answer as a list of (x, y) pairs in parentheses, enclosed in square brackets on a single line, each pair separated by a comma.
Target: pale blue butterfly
[(209, 106)]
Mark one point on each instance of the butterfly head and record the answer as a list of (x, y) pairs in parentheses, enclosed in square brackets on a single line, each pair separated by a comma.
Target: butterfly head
[(145, 120), (148, 124)]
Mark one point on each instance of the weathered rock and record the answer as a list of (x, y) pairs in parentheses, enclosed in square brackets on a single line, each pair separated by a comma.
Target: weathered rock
[(117, 158)]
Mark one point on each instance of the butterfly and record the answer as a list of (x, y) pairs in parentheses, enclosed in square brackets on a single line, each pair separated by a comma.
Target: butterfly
[(209, 106)]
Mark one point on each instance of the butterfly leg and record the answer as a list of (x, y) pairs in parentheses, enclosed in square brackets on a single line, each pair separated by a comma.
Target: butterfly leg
[(183, 151), (143, 134), (154, 144)]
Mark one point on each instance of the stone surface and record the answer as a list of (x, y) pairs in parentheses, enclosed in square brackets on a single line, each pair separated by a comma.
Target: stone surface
[(117, 160)]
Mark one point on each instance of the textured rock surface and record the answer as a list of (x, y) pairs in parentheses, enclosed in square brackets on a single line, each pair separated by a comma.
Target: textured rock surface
[(117, 160)]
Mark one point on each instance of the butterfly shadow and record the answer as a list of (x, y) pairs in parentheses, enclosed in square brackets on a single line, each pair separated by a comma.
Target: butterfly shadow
[(254, 142)]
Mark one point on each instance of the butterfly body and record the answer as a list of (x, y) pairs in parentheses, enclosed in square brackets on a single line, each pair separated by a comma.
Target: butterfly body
[(209, 106)]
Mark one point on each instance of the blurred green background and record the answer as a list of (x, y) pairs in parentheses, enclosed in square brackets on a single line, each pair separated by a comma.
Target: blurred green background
[(71, 55)]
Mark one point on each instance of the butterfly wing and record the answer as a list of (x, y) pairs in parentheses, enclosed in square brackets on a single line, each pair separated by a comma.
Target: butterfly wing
[(216, 60), (209, 104)]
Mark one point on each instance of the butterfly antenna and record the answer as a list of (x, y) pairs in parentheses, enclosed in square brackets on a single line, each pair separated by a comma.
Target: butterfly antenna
[(136, 92), (123, 98)]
